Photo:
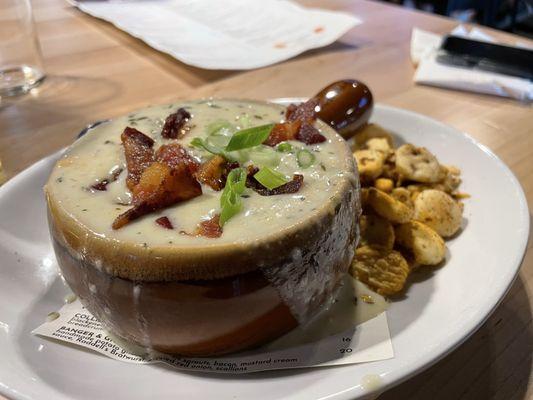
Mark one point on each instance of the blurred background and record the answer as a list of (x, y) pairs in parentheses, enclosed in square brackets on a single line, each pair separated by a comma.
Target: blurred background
[(514, 16)]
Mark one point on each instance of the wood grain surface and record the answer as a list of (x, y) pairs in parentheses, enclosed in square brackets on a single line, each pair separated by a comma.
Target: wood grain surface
[(96, 71)]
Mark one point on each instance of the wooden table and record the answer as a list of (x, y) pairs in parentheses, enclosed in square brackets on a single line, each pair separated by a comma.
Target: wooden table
[(96, 72)]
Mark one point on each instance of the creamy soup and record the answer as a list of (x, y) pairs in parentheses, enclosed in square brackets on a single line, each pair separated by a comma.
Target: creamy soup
[(99, 153)]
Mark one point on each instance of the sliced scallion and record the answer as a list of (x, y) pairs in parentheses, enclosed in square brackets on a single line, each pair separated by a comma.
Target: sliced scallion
[(211, 148), (237, 180), (270, 178), (231, 205), (305, 158), (244, 121), (220, 126), (230, 200), (284, 147), (249, 137), (264, 156)]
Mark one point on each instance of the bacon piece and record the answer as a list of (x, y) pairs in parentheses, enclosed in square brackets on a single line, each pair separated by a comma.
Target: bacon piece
[(299, 125), (304, 112), (283, 132), (309, 135), (290, 187), (210, 228), (139, 152), (160, 186), (174, 154), (212, 172), (131, 214), (164, 222), (102, 185), (174, 124)]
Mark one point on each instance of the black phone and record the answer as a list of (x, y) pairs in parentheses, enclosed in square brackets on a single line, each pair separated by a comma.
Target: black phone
[(497, 58)]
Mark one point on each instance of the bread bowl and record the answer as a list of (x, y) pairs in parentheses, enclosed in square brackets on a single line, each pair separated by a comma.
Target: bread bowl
[(275, 264)]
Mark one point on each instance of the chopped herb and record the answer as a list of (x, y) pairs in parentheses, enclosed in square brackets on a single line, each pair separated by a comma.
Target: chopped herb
[(109, 142), (322, 167), (211, 148), (305, 158), (284, 147), (230, 201), (244, 121), (245, 196), (258, 116), (137, 119), (84, 209), (60, 179), (250, 137), (270, 178), (262, 156), (216, 127)]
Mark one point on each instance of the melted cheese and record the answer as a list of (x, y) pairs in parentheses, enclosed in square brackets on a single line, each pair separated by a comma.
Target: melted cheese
[(99, 152)]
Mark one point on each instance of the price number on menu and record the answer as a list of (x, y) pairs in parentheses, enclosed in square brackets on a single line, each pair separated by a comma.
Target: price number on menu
[(346, 341)]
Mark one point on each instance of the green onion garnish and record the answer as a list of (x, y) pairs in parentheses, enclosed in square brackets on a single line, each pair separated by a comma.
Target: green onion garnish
[(305, 158), (284, 147), (244, 121), (219, 126), (264, 156), (237, 180), (217, 140), (249, 137), (211, 148), (230, 200), (270, 178)]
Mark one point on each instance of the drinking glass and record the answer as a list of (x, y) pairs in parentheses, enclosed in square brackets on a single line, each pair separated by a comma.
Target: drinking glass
[(21, 66)]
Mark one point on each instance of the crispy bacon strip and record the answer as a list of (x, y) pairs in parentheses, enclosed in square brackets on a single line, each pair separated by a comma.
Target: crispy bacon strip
[(290, 187), (160, 186), (299, 125), (174, 154), (283, 132), (212, 171), (310, 135), (164, 222), (304, 112), (139, 154), (210, 228), (175, 123), (102, 184)]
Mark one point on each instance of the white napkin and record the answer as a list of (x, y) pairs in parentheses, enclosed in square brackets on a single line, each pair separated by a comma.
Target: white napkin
[(424, 46), (229, 34)]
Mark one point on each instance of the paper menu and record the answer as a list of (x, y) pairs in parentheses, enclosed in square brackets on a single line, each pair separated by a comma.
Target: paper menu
[(369, 341), (233, 34)]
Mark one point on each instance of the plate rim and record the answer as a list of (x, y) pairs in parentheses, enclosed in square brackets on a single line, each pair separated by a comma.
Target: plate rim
[(428, 358), (394, 378)]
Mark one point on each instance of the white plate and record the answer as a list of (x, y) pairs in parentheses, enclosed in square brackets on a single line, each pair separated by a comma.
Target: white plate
[(435, 316)]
